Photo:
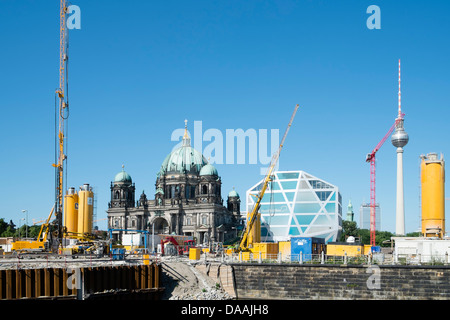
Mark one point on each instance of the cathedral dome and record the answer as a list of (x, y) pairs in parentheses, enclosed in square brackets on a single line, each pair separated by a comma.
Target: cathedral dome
[(209, 170), (122, 177), (233, 193), (184, 159)]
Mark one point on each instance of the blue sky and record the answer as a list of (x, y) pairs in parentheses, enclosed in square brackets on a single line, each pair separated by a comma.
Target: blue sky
[(138, 69)]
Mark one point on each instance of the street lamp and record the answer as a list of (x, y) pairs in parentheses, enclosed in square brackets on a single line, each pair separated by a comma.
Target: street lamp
[(26, 225), (20, 226)]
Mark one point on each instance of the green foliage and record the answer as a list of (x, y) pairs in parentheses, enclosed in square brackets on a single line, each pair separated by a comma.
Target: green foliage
[(349, 228)]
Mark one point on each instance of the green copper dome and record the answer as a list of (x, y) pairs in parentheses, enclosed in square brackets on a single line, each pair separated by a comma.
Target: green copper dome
[(122, 177), (209, 170), (184, 159), (233, 193)]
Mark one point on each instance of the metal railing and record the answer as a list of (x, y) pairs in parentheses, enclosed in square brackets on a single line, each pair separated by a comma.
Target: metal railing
[(376, 258)]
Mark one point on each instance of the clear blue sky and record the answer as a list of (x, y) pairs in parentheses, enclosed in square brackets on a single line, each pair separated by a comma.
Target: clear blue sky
[(138, 69)]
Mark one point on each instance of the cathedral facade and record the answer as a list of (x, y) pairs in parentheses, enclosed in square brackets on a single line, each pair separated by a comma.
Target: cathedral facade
[(187, 201)]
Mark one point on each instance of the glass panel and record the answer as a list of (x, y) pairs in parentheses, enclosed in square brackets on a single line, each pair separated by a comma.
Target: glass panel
[(330, 207), (293, 231), (304, 185), (306, 208), (277, 231), (317, 184), (290, 196), (304, 219), (277, 219), (273, 185), (323, 195), (273, 197), (287, 175), (274, 208), (306, 196), (322, 219), (289, 184)]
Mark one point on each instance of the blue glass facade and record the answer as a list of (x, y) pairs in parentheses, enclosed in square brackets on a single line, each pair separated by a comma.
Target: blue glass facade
[(298, 204)]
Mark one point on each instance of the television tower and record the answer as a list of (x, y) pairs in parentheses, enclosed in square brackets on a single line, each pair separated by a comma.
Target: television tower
[(399, 139)]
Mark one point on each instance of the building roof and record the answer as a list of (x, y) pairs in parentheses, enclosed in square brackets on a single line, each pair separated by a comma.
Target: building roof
[(184, 159), (208, 170), (122, 176)]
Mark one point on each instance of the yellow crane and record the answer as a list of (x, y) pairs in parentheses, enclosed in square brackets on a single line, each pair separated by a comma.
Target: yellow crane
[(38, 244), (246, 242)]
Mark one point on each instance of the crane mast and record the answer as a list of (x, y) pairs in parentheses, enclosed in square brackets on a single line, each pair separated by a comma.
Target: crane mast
[(252, 218), (62, 114)]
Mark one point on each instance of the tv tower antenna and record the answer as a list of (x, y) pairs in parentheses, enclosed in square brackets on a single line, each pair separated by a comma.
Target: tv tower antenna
[(399, 139)]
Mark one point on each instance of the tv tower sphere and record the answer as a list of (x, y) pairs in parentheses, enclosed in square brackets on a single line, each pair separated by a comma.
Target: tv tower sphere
[(399, 138)]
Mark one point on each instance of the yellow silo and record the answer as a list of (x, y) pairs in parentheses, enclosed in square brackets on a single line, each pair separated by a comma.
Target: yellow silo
[(85, 210), (433, 195), (71, 212)]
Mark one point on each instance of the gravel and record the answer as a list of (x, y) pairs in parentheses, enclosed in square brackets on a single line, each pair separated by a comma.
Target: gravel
[(183, 282)]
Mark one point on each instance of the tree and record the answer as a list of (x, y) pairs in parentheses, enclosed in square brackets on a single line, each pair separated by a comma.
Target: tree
[(3, 226), (349, 228)]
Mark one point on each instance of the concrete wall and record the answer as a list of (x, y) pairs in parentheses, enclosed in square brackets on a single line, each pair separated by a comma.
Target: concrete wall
[(287, 281)]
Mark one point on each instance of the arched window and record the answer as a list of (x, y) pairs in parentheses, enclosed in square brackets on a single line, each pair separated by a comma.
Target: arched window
[(205, 189)]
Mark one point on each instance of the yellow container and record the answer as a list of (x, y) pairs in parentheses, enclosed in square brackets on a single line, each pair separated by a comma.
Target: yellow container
[(194, 253), (340, 249), (71, 212), (284, 247), (27, 245), (367, 249), (146, 259), (85, 210), (433, 195), (269, 250), (245, 256)]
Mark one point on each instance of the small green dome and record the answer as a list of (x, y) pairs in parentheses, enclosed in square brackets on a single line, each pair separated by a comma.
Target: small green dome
[(208, 170), (122, 177), (233, 193)]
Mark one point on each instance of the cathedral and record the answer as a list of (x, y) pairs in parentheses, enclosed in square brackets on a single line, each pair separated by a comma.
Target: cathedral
[(187, 200)]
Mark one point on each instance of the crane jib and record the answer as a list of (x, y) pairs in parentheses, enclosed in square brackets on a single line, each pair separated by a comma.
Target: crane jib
[(250, 222)]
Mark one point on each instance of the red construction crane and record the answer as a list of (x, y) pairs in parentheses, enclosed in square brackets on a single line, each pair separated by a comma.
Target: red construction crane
[(371, 158)]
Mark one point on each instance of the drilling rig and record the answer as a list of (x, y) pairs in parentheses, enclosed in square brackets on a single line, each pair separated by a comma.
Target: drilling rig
[(54, 230), (62, 109)]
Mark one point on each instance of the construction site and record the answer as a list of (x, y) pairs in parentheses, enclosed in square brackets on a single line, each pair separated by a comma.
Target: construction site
[(186, 245)]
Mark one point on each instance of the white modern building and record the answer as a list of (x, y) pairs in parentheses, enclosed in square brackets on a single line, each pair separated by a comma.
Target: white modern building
[(298, 204), (364, 216)]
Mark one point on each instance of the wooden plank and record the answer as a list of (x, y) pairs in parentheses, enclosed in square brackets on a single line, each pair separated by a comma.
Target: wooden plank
[(56, 282), (65, 287), (18, 284), (2, 283), (38, 282), (47, 282), (9, 284), (143, 282), (28, 283)]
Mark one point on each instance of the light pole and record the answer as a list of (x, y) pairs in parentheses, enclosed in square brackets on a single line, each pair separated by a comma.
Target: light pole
[(26, 223), (20, 226)]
